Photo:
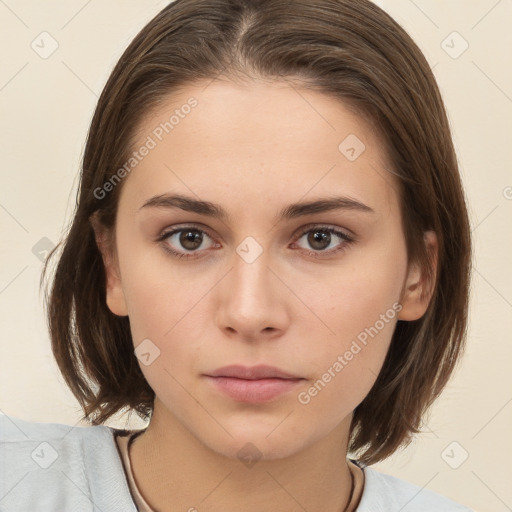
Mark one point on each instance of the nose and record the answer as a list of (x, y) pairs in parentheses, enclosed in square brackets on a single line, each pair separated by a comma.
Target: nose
[(253, 301)]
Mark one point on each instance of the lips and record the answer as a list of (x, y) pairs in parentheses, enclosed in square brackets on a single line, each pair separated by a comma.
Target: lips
[(252, 373), (256, 384)]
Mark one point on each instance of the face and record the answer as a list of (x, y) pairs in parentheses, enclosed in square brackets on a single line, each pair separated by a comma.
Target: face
[(241, 271)]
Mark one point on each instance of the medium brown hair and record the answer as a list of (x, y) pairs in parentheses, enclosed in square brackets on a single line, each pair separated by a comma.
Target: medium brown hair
[(352, 51)]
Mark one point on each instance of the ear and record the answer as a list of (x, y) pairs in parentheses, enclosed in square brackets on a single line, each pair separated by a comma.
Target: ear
[(418, 288), (106, 244)]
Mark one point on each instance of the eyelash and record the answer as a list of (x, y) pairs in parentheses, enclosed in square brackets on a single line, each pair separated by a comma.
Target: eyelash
[(347, 240)]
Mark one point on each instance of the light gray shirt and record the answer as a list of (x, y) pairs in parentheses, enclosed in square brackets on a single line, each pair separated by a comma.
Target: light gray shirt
[(49, 467)]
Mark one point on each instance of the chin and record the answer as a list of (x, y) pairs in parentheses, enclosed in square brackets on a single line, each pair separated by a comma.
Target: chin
[(252, 445), (249, 451)]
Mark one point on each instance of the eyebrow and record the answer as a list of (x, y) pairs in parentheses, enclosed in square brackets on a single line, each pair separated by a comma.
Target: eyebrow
[(291, 211)]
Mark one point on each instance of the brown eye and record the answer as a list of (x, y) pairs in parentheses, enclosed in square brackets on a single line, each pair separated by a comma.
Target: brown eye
[(186, 241), (191, 239), (319, 239), (323, 241)]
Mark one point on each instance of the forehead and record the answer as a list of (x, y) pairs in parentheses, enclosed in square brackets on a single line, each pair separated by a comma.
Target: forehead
[(273, 141)]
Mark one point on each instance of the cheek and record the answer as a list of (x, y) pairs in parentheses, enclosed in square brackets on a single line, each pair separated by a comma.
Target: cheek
[(346, 364), (159, 295), (164, 306), (355, 295), (356, 314)]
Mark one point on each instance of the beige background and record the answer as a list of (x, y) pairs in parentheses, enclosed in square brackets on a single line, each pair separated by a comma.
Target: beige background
[(46, 105)]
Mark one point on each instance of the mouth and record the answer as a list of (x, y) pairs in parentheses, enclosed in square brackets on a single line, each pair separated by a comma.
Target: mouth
[(257, 384)]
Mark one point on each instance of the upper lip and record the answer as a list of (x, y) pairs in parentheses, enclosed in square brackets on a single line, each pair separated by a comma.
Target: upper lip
[(252, 372)]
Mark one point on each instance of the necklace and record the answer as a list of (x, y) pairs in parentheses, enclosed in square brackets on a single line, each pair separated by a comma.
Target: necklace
[(345, 509), (352, 487)]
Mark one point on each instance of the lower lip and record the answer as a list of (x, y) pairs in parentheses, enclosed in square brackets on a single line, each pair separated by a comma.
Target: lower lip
[(253, 391)]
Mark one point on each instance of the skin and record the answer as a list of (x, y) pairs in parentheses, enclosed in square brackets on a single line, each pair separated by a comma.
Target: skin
[(253, 150)]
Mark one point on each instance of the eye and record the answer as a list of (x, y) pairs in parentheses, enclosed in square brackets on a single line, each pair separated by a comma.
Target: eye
[(186, 241), (190, 241), (324, 240)]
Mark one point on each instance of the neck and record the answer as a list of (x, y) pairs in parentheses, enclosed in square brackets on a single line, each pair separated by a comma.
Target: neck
[(175, 471)]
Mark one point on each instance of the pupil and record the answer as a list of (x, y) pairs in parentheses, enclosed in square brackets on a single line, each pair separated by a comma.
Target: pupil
[(191, 239), (319, 239)]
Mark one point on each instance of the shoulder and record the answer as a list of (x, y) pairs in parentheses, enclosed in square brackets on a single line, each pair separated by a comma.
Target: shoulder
[(386, 493), (51, 466)]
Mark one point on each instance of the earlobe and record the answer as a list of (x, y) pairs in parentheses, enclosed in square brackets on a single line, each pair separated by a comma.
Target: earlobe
[(419, 285), (114, 291)]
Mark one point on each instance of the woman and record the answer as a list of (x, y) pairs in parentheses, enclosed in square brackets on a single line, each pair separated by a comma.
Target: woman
[(269, 261)]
